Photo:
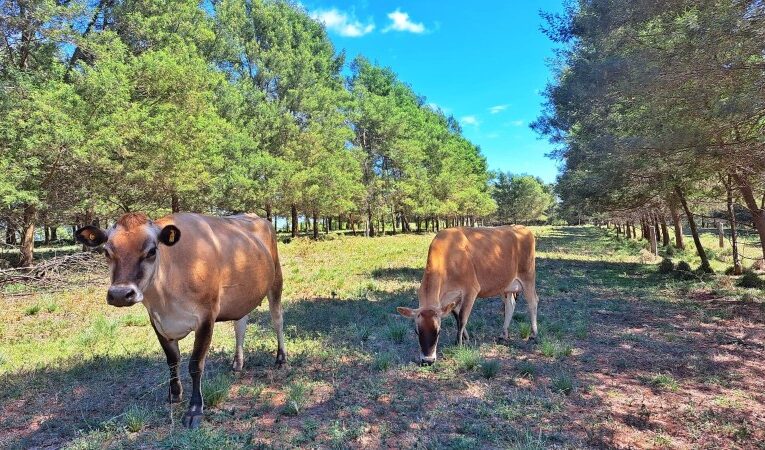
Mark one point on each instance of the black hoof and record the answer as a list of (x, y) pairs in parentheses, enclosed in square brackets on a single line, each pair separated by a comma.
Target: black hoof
[(192, 420), (281, 359)]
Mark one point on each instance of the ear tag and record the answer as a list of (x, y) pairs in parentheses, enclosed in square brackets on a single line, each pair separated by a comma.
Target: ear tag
[(171, 238)]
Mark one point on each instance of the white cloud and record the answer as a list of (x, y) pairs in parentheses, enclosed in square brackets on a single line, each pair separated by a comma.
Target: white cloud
[(517, 123), (342, 23), (436, 107), (469, 120), (400, 21), (497, 109)]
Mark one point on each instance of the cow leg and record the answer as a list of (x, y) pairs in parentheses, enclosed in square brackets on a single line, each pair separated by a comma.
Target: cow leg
[(239, 328), (277, 318), (173, 355), (465, 308), (202, 338), (509, 299), (532, 300)]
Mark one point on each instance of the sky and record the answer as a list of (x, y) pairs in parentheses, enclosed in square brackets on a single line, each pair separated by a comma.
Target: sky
[(484, 62)]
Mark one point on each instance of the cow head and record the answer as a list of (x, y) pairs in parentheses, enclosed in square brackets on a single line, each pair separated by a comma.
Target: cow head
[(131, 247), (427, 325)]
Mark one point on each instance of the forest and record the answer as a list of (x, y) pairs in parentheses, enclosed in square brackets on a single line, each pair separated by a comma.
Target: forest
[(221, 107), (657, 112)]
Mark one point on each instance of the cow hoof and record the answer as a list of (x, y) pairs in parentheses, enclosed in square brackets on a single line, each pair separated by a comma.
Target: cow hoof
[(533, 339), (192, 420), (281, 359)]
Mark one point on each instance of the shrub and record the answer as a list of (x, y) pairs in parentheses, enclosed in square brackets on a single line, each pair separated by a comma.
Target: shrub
[(750, 280), (490, 368), (684, 271), (669, 250), (666, 266)]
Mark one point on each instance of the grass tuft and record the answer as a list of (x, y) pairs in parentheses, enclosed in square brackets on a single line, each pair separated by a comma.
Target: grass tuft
[(297, 397), (563, 383), (555, 348), (490, 368), (216, 389), (383, 361), (397, 332), (526, 369), (32, 310), (136, 418), (467, 358), (750, 280), (524, 329)]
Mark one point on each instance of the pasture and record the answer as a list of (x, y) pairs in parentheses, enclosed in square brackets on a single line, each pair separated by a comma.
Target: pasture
[(626, 357)]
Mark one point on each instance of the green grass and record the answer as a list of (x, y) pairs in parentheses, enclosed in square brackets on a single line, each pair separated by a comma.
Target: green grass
[(215, 389), (553, 348), (32, 310), (490, 368), (465, 358), (100, 379)]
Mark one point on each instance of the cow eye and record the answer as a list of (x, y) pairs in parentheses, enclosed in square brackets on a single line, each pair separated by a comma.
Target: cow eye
[(151, 253)]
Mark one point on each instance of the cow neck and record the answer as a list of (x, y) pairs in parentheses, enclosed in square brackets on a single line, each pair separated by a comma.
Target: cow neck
[(430, 291), (153, 295)]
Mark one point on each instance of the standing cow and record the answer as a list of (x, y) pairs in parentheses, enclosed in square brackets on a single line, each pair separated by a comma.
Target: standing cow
[(191, 271), (466, 263)]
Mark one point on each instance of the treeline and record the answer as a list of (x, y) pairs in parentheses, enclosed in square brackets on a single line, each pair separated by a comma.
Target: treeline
[(227, 106), (658, 112)]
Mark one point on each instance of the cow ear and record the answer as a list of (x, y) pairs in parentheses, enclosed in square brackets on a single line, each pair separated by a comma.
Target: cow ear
[(407, 312), (448, 308), (90, 236), (452, 300), (169, 235)]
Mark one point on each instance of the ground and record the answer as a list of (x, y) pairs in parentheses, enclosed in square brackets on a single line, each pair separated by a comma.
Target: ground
[(626, 358)]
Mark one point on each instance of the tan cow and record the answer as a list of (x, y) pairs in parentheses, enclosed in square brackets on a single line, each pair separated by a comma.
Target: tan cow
[(466, 263), (207, 270)]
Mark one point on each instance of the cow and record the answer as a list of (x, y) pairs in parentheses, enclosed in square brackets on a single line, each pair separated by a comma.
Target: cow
[(191, 271), (465, 263)]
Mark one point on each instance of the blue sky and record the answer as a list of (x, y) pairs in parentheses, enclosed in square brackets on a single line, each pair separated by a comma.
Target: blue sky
[(483, 62)]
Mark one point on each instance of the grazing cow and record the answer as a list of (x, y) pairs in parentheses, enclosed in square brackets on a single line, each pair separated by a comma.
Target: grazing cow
[(466, 263), (206, 270)]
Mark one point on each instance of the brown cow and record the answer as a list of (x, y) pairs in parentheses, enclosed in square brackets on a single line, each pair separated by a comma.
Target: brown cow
[(466, 263), (209, 269)]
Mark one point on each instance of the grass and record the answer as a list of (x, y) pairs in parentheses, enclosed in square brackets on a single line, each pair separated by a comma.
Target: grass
[(607, 322), (490, 368), (215, 389), (465, 358), (553, 348)]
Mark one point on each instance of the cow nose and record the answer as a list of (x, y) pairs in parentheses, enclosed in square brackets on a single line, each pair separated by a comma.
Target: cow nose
[(121, 296)]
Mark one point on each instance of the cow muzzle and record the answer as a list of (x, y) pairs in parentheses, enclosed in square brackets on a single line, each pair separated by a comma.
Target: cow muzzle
[(427, 360), (123, 296)]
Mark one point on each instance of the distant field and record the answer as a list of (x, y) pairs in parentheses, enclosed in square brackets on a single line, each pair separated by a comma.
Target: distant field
[(626, 357)]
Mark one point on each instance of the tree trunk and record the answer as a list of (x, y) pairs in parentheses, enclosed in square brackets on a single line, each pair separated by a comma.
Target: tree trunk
[(664, 232), (737, 267), (175, 203), (369, 231), (438, 224), (656, 228), (652, 239), (629, 230), (677, 223), (417, 219), (720, 234), (694, 232), (28, 236), (758, 213), (268, 212), (293, 213), (315, 226), (46, 233), (54, 233)]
